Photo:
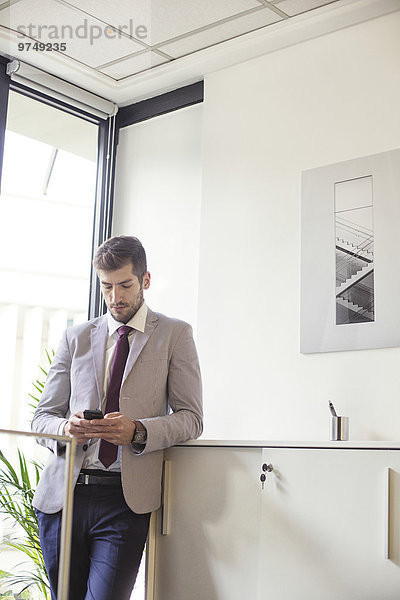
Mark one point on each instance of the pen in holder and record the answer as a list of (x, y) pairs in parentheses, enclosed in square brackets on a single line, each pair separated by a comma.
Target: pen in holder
[(339, 426)]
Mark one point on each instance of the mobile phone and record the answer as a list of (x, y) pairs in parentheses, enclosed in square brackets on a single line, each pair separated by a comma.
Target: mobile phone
[(93, 414)]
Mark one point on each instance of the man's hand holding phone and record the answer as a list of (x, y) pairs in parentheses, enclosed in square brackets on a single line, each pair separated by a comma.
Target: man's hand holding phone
[(91, 424), (79, 426)]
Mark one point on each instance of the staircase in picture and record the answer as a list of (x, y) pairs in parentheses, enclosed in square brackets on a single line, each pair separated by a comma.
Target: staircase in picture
[(354, 272)]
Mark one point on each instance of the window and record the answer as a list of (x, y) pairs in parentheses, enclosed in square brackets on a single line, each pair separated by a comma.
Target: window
[(47, 208)]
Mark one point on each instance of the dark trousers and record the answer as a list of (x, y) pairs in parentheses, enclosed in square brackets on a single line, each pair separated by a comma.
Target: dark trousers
[(107, 544)]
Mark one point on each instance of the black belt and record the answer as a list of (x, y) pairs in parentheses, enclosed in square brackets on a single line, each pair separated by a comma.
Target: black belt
[(98, 477)]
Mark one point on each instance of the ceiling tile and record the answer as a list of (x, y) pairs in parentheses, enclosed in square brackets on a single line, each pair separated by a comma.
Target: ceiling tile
[(164, 20), (132, 17), (7, 3), (295, 7), (222, 32), (86, 39), (135, 64)]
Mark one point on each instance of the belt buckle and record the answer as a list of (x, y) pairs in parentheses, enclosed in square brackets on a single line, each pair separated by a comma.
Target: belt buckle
[(86, 482)]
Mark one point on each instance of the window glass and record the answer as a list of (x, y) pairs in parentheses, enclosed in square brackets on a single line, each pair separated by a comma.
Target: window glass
[(47, 207)]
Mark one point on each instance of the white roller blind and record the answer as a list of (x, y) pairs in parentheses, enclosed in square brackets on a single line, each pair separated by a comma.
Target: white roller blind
[(61, 90)]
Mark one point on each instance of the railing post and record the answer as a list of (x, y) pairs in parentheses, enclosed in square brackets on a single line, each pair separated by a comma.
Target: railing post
[(66, 523)]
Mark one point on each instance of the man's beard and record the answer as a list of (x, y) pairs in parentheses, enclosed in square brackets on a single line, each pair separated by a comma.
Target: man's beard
[(125, 317)]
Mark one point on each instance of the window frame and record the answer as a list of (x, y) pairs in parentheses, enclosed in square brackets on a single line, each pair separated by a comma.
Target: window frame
[(160, 105), (4, 91)]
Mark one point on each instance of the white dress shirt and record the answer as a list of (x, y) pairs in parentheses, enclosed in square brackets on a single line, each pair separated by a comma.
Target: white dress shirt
[(138, 323)]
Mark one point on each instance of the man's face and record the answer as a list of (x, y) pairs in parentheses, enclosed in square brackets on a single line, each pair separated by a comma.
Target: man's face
[(122, 292)]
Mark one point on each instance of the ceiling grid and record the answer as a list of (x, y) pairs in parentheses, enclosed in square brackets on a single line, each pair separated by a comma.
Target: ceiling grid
[(136, 36), (127, 50)]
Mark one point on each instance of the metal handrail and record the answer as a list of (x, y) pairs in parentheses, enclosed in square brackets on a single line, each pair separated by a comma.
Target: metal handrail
[(361, 250), (365, 239), (66, 521), (347, 225)]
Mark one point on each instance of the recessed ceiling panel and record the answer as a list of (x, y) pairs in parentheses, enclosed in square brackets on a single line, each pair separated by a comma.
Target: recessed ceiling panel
[(131, 17), (219, 33), (86, 39), (295, 7), (135, 64), (164, 19), (108, 41)]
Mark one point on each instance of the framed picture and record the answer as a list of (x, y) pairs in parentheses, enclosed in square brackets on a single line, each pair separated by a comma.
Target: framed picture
[(350, 255)]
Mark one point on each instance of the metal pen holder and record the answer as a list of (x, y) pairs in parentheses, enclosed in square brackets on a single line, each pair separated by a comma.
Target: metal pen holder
[(339, 428)]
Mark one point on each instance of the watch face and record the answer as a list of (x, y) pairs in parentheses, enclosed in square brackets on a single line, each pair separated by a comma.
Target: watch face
[(139, 437)]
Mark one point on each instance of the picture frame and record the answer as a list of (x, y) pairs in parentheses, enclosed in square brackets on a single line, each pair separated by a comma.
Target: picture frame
[(328, 194)]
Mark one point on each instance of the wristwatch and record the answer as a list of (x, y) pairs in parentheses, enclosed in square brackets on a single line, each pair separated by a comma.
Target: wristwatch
[(140, 435)]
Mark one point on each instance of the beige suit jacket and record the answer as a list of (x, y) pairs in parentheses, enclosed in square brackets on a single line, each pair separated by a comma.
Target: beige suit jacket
[(161, 387)]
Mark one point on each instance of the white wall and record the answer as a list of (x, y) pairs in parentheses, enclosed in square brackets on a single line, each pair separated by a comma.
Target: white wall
[(157, 199), (326, 100)]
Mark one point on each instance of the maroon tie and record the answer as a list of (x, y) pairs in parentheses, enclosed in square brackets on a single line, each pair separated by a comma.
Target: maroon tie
[(108, 452)]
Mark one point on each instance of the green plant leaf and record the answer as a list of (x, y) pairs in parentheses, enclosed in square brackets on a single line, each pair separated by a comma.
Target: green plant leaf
[(4, 574)]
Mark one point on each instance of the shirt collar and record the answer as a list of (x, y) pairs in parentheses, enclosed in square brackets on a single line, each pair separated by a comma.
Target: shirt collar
[(137, 322)]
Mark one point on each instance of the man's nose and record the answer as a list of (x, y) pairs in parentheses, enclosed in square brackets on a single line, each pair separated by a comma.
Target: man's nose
[(115, 295)]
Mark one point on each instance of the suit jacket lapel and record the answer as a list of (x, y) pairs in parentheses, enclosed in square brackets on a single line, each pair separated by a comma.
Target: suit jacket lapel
[(98, 341), (140, 341)]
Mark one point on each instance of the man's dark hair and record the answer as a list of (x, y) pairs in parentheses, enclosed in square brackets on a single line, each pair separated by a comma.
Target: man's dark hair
[(119, 251)]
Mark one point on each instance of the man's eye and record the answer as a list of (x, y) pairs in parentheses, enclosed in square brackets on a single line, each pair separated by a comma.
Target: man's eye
[(126, 287)]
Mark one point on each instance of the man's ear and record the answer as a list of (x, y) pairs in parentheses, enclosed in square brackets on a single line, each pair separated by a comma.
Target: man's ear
[(146, 281)]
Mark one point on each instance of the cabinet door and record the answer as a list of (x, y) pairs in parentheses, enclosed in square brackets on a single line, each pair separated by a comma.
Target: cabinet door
[(210, 550), (324, 518)]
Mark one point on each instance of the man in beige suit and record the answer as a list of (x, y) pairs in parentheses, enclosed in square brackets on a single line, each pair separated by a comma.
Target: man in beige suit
[(160, 405)]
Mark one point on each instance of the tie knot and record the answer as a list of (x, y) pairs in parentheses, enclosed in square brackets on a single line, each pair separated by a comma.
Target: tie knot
[(124, 330)]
